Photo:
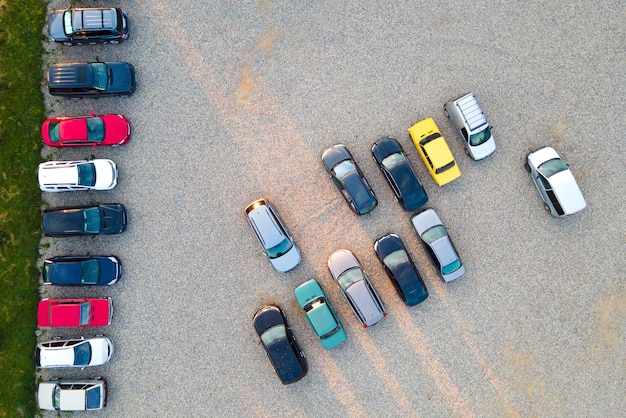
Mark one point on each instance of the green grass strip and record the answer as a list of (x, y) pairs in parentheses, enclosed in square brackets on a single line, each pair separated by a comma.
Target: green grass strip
[(21, 114)]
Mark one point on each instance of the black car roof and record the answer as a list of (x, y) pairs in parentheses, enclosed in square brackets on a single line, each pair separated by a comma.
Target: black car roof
[(75, 74), (61, 221), (285, 360), (93, 19)]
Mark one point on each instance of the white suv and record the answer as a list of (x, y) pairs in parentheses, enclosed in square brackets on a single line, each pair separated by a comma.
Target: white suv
[(63, 176)]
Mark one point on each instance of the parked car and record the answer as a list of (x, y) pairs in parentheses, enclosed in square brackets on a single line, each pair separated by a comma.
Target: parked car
[(74, 352), (555, 182), (74, 313), (84, 220), (469, 120), (401, 270), (72, 394), (273, 235), (439, 245), (357, 288), (434, 150), (83, 131), (280, 344), (406, 186), (91, 79), (64, 176), (76, 26), (347, 176), (85, 270), (320, 314)]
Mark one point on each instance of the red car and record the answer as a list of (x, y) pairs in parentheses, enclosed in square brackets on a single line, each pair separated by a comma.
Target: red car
[(71, 313), (84, 131)]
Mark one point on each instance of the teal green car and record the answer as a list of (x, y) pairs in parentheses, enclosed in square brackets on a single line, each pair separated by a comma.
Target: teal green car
[(320, 314)]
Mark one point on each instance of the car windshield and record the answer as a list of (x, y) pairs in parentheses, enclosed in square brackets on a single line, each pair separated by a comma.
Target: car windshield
[(281, 249), (95, 129), (100, 75), (445, 167), (56, 397), (480, 137), (274, 334), (90, 272), (343, 168), (551, 167), (348, 278), (87, 174), (67, 22), (82, 354), (93, 398), (452, 267), (85, 311), (53, 132), (394, 160), (396, 258), (433, 234), (92, 220)]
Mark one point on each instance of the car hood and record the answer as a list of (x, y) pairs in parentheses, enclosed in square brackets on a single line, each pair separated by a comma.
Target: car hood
[(106, 174), (266, 318), (117, 128), (483, 150), (113, 219), (55, 26), (44, 395), (567, 191), (287, 261), (101, 350), (384, 148), (363, 298), (341, 261), (110, 270), (334, 155), (122, 77), (425, 220), (444, 251), (101, 312)]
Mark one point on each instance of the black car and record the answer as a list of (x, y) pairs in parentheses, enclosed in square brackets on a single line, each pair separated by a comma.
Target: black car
[(280, 344), (91, 79), (88, 270), (349, 179), (407, 188), (84, 220), (88, 26), (401, 270)]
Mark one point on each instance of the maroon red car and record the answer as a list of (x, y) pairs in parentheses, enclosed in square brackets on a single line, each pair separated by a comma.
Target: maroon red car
[(72, 313), (83, 131)]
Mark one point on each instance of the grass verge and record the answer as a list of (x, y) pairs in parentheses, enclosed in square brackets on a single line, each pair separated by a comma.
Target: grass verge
[(21, 114)]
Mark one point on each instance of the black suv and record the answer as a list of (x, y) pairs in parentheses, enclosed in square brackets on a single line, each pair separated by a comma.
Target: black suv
[(93, 79), (88, 26)]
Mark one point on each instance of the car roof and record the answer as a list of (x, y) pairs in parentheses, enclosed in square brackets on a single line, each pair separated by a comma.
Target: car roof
[(285, 360), (322, 318), (65, 174), (444, 250), (75, 74), (65, 314), (65, 272), (266, 226), (357, 190), (93, 18), (567, 191)]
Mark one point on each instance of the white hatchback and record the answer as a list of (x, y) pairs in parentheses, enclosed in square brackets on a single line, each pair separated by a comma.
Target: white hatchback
[(63, 176), (72, 395), (75, 352)]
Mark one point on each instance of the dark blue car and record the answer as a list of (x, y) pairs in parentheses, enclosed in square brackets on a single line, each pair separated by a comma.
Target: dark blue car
[(88, 270), (280, 344), (401, 270), (349, 179), (407, 188)]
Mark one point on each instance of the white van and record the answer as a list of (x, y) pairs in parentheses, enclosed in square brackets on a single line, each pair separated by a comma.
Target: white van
[(470, 122), (63, 176)]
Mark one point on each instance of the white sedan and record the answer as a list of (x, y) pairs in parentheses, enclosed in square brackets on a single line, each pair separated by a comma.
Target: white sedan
[(555, 182), (62, 176), (76, 352)]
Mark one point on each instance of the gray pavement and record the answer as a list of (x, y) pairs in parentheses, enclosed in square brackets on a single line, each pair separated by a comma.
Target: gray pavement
[(237, 100)]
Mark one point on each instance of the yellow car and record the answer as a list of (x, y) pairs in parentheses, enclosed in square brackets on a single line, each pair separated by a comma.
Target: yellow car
[(434, 151)]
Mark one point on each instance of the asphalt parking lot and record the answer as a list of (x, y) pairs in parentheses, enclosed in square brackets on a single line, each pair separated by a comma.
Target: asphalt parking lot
[(238, 100)]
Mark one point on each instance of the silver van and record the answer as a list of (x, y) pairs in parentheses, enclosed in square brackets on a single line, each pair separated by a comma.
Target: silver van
[(470, 122)]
